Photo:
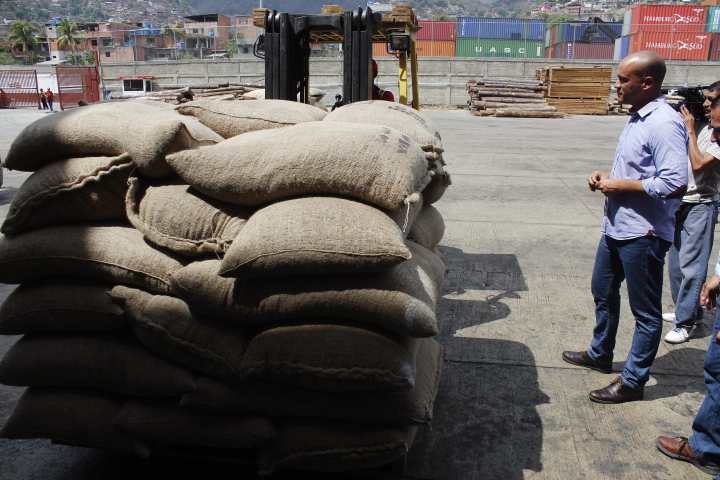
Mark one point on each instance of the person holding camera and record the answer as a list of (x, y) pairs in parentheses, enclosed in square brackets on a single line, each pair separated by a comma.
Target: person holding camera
[(694, 223)]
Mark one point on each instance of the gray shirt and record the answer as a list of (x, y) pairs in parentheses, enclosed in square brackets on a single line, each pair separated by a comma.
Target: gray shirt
[(703, 185)]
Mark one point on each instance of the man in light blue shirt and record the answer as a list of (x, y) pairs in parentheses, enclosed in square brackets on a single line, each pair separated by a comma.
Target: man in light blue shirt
[(643, 191)]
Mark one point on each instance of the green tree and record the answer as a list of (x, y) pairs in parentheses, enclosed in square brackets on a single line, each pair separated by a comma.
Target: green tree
[(441, 17), (69, 34), (561, 20), (6, 57), (176, 32), (231, 45), (31, 58), (22, 33)]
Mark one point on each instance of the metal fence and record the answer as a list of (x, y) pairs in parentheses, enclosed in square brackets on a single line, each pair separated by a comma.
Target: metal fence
[(77, 84), (19, 88)]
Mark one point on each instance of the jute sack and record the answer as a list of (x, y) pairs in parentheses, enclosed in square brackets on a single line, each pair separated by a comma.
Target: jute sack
[(144, 130), (70, 416), (110, 361), (109, 252), (164, 421), (166, 326), (72, 190), (280, 399), (60, 304), (333, 355), (401, 299), (325, 445), (314, 235), (409, 121), (369, 162), (440, 181), (229, 119), (176, 216), (428, 228)]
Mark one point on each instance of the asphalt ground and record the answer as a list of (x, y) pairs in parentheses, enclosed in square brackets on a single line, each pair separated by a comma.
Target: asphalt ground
[(521, 233)]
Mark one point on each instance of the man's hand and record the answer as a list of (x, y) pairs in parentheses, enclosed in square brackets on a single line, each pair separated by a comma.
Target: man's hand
[(709, 293), (609, 186), (595, 178), (689, 119)]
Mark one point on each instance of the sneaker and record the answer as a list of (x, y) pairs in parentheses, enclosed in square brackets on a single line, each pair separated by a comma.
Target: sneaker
[(679, 335), (668, 317)]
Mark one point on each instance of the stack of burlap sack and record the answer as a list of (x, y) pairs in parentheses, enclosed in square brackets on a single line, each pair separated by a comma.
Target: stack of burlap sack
[(237, 275)]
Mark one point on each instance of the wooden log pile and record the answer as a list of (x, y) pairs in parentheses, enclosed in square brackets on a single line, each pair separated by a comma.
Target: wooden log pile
[(578, 90), (176, 94), (509, 97)]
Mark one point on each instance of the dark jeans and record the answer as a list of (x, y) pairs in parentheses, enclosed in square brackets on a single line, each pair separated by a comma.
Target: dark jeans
[(705, 440), (640, 261)]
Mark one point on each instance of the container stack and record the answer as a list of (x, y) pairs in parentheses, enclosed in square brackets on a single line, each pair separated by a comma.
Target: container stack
[(578, 90), (676, 32), (580, 40), (256, 278), (508, 97), (500, 38)]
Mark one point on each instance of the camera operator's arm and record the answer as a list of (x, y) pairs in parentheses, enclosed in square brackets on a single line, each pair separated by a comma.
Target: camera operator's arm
[(698, 160)]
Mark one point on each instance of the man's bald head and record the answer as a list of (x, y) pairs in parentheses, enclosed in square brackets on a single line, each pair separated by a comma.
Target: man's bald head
[(647, 63)]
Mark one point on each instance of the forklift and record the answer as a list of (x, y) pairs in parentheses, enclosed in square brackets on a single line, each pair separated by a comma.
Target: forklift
[(285, 47)]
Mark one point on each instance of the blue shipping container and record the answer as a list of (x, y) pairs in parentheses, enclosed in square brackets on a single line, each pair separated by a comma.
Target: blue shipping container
[(501, 28), (572, 31)]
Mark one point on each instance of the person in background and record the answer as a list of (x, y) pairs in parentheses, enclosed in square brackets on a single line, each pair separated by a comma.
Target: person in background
[(377, 92), (43, 100), (702, 448), (694, 224), (49, 96), (643, 191)]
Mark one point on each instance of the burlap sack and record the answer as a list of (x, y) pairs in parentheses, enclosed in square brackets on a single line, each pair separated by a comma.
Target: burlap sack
[(332, 355), (428, 228), (405, 217), (314, 235), (113, 253), (440, 181), (372, 163), (280, 399), (324, 445), (229, 119), (409, 121), (144, 130), (164, 421), (70, 416), (166, 326), (72, 190), (60, 304), (401, 299), (176, 216), (110, 361)]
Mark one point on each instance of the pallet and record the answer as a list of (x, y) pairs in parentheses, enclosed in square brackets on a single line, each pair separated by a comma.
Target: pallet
[(580, 106), (578, 90), (331, 9)]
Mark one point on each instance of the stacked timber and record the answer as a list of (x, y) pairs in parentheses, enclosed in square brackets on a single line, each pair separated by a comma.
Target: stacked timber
[(578, 90), (618, 108), (226, 277), (177, 94), (507, 97)]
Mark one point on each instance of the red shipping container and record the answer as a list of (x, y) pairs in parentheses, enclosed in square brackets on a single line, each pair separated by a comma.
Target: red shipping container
[(668, 18), (714, 47), (673, 45), (432, 30), (555, 34), (549, 52), (587, 51)]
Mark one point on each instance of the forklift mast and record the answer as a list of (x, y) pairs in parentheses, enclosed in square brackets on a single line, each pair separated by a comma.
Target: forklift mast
[(285, 47)]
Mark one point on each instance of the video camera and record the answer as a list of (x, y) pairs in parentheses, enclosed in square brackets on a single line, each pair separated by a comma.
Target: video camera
[(692, 97)]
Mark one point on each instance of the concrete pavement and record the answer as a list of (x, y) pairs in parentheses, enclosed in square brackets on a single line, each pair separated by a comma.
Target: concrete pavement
[(522, 230)]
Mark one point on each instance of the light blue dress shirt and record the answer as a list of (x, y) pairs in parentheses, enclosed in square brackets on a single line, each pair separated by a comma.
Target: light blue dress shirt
[(652, 148)]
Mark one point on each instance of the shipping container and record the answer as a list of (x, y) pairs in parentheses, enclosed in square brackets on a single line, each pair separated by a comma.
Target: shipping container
[(714, 53), (494, 48), (435, 48), (548, 38), (586, 51), (713, 19), (621, 48), (501, 28), (436, 30), (573, 31), (627, 22), (549, 52), (668, 18), (673, 45)]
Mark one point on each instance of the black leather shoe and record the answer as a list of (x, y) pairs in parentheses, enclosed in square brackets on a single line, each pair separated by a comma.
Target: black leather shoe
[(616, 392), (582, 359)]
